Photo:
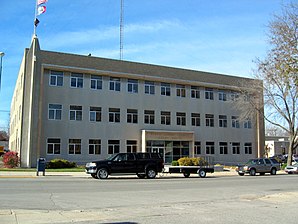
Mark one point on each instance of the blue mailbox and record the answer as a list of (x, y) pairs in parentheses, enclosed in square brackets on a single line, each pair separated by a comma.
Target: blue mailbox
[(41, 166)]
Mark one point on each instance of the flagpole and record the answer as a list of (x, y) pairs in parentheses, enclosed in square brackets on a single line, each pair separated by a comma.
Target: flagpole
[(35, 17)]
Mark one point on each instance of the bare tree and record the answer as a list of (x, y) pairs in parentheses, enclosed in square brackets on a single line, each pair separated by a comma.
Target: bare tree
[(277, 78)]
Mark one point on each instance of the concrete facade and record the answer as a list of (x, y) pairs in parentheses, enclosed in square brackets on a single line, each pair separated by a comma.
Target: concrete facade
[(83, 108)]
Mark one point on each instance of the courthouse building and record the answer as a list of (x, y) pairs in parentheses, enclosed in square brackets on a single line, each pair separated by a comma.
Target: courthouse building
[(84, 108)]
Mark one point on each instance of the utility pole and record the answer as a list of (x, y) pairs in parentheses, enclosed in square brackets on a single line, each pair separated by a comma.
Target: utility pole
[(1, 55), (121, 28)]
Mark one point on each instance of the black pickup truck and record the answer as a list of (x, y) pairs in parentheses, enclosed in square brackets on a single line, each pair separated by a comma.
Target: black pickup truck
[(141, 164)]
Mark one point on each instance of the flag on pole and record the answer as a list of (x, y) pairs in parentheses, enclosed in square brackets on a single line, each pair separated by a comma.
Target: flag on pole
[(41, 10), (39, 2), (36, 21)]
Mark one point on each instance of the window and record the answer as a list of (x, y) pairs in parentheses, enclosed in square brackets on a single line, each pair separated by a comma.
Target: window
[(222, 120), (209, 94), (132, 116), (236, 147), (195, 92), (76, 113), (115, 84), (247, 123), (74, 146), (149, 88), (180, 90), (222, 96), (197, 148), (94, 146), (165, 117), (195, 119), (113, 146), (234, 96), (114, 115), (223, 148), (209, 118), (149, 116), (76, 80), (53, 146), (55, 111), (132, 86), (181, 118), (247, 148), (131, 146), (56, 78), (96, 82), (235, 122), (95, 114), (209, 148), (165, 89), (267, 161)]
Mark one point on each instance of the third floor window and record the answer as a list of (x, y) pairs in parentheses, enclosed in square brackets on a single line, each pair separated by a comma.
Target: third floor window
[(76, 80), (115, 84)]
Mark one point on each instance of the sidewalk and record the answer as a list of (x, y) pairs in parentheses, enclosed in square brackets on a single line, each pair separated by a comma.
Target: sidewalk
[(22, 174)]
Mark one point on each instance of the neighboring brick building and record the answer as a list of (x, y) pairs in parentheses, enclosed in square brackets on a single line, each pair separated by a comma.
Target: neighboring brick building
[(83, 108)]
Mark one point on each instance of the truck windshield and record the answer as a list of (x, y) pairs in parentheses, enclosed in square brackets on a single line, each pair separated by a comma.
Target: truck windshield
[(111, 157)]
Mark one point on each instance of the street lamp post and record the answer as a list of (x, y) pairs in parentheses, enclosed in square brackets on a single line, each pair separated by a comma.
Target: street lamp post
[(1, 55)]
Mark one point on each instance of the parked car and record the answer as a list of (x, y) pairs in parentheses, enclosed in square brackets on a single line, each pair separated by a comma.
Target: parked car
[(259, 165), (141, 164), (292, 169)]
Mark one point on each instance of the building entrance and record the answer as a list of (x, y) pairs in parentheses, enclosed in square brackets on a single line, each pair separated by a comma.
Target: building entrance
[(170, 150)]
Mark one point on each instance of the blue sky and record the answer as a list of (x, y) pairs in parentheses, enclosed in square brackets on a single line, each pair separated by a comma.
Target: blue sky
[(222, 36)]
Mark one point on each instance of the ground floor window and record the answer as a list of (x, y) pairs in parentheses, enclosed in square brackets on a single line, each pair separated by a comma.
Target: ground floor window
[(53, 145), (247, 148), (74, 146), (94, 146), (209, 148), (131, 146), (236, 147), (113, 146), (223, 148), (197, 148)]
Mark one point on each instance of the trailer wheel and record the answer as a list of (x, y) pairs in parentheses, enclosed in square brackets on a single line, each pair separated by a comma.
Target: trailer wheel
[(186, 174), (202, 173)]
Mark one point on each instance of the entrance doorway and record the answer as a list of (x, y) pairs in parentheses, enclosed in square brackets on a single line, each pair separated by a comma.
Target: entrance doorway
[(160, 150)]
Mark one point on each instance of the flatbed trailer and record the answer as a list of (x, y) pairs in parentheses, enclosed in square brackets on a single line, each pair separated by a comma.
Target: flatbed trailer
[(187, 170)]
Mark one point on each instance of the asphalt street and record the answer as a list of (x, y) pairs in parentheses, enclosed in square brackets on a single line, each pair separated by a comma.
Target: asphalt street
[(169, 199)]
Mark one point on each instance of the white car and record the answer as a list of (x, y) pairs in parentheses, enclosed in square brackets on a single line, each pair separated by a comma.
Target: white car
[(292, 169)]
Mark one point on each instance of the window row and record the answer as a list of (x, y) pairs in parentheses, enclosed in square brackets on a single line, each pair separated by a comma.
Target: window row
[(132, 116), (115, 84), (94, 147), (224, 148)]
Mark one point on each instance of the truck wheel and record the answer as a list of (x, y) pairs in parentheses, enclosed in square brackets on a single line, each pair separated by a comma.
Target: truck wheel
[(241, 174), (102, 173), (151, 173), (186, 174), (273, 171), (202, 173), (141, 176), (252, 172)]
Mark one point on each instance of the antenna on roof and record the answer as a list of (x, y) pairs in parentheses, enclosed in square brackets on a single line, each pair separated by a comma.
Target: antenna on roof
[(121, 28)]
